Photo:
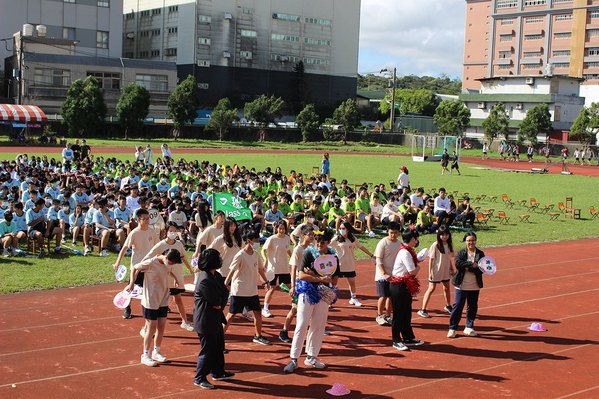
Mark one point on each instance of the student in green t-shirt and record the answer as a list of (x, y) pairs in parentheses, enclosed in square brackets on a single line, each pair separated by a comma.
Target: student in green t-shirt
[(409, 214), (336, 215), (350, 207), (425, 220), (363, 211)]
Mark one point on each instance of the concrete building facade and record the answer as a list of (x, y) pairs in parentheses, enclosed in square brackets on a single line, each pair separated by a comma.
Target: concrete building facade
[(521, 37), (96, 25), (244, 48)]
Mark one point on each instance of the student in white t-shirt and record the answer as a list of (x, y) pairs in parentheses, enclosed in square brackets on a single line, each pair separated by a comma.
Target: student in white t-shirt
[(278, 247)]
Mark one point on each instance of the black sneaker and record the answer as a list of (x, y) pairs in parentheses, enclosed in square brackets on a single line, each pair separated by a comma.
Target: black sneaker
[(413, 342), (259, 339), (225, 376), (400, 346), (284, 336), (127, 313), (327, 332), (41, 253), (203, 384)]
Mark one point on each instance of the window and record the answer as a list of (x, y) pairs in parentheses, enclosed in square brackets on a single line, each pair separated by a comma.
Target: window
[(504, 67), (593, 65), (314, 61), (561, 65), (69, 1), (505, 54), (532, 54), (204, 18), (204, 63), (155, 53), (564, 17), (128, 55), (246, 54), (52, 77), (562, 35), (505, 38), (562, 1), (507, 4), (103, 3), (102, 39), (593, 51), (285, 38), (204, 40), (594, 14), (592, 32), (320, 42), (286, 17), (152, 82), (528, 3), (173, 9), (107, 80), (561, 53), (531, 66), (131, 15), (155, 32), (203, 86), (144, 33), (532, 20), (156, 11), (533, 37), (317, 21), (173, 30), (68, 33), (143, 54), (283, 58), (145, 13), (249, 33), (171, 51), (592, 77), (248, 11), (506, 21)]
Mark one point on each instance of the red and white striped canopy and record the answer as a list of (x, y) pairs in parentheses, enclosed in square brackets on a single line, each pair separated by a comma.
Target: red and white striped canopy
[(21, 113)]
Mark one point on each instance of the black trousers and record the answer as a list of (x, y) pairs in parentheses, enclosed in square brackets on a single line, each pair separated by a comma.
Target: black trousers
[(211, 358), (401, 299)]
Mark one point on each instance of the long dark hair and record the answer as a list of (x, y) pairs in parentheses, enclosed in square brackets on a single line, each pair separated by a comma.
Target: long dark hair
[(205, 215), (444, 230), (350, 235), (227, 235)]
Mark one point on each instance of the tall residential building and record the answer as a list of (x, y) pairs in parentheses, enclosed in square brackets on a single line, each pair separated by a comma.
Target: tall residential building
[(521, 37), (96, 25), (245, 48)]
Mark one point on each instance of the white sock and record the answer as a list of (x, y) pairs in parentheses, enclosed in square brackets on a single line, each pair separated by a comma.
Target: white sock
[(156, 349), (353, 295), (146, 353), (265, 306)]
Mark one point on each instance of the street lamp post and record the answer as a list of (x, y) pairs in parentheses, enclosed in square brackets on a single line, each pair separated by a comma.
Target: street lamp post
[(392, 120)]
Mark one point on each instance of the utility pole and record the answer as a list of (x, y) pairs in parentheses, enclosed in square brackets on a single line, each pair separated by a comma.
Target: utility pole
[(392, 120), (20, 59)]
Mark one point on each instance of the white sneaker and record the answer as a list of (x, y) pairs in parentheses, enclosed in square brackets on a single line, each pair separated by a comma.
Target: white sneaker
[(291, 367), (147, 360), (266, 313), (470, 332), (13, 252), (354, 301), (143, 331), (371, 234), (314, 362), (158, 356), (86, 250), (5, 253), (247, 315), (187, 326), (451, 334), (104, 253)]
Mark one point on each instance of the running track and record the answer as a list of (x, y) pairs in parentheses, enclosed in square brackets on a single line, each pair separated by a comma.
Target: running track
[(492, 163), (73, 343)]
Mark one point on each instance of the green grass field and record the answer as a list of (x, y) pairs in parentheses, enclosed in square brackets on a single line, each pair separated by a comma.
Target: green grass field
[(23, 274)]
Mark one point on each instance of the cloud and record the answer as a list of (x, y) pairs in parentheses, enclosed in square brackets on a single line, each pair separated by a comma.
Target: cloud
[(424, 37)]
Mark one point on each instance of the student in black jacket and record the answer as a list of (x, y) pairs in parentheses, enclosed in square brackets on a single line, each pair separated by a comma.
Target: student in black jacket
[(210, 298)]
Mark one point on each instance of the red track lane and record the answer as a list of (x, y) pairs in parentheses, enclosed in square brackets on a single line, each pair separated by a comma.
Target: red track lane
[(493, 163), (73, 343)]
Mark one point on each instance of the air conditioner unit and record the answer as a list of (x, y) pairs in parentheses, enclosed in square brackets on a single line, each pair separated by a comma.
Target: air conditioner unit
[(284, 58), (482, 105), (226, 54), (228, 16), (519, 106), (130, 35), (530, 81)]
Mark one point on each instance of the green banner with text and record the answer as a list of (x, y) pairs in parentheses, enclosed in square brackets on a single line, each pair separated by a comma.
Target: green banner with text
[(232, 206)]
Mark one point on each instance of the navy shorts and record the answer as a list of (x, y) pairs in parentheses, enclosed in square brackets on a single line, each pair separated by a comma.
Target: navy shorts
[(284, 278), (238, 303), (382, 289), (362, 217), (155, 314), (347, 274)]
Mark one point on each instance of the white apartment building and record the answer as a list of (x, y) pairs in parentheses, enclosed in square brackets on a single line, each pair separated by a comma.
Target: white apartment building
[(245, 48), (96, 25)]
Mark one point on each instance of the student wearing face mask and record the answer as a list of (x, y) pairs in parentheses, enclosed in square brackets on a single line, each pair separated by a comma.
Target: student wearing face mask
[(8, 235), (310, 221), (163, 185), (171, 242)]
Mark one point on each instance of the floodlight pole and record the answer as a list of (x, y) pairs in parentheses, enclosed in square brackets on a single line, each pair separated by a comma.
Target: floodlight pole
[(392, 120)]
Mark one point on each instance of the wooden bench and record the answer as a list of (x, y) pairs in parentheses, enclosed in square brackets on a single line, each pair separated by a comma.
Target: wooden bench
[(553, 216), (594, 213), (574, 213), (524, 218), (32, 244), (503, 219)]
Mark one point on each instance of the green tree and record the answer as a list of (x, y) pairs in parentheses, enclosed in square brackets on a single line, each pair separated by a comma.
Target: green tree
[(133, 107), (264, 109), (348, 115), (497, 122), (585, 124), (222, 117), (537, 121), (183, 103), (308, 122), (418, 101), (451, 117), (298, 91), (84, 109)]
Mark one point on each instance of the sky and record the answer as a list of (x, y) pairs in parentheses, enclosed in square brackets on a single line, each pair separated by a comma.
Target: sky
[(419, 37)]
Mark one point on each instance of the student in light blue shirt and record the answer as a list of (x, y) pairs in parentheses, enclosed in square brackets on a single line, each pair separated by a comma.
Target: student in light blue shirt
[(80, 197), (67, 196), (122, 214), (52, 216), (76, 221), (163, 185), (53, 189), (38, 228)]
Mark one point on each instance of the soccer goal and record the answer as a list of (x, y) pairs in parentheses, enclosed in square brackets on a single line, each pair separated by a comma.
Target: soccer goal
[(430, 148)]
